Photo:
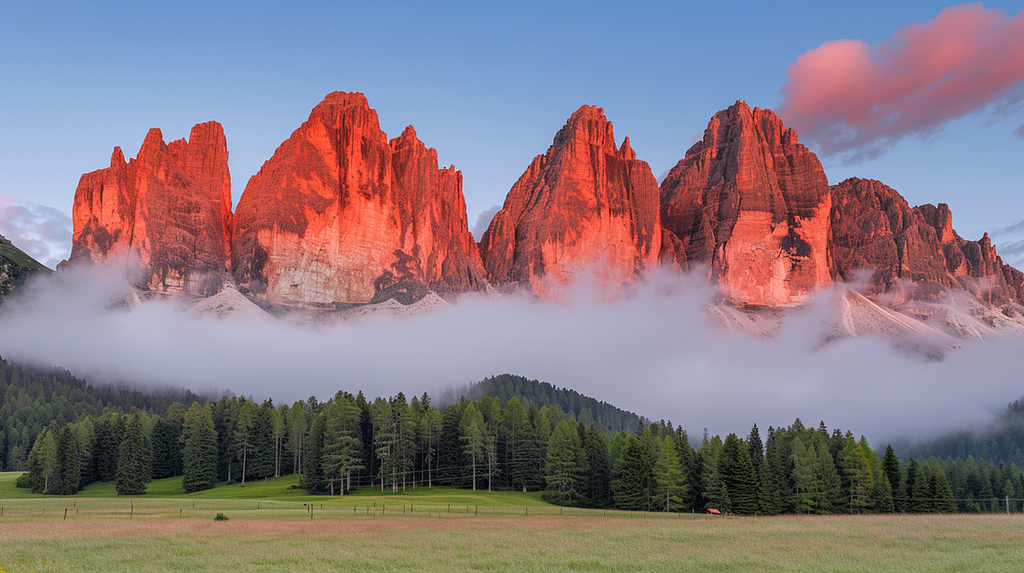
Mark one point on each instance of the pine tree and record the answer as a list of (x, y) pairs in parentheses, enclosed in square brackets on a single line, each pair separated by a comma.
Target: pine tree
[(563, 465), (831, 486), (737, 475), (341, 453), (891, 469), (806, 487), (313, 479), (473, 439), (770, 478), (756, 448), (68, 468), (135, 458), (167, 442), (856, 475), (199, 455), (669, 475), (42, 462), (907, 503), (712, 487), (450, 446), (596, 467), (944, 500)]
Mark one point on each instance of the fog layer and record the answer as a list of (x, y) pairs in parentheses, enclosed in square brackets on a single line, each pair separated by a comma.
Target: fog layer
[(655, 351)]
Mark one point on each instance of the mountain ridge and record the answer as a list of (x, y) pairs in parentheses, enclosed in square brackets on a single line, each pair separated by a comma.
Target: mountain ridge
[(341, 215)]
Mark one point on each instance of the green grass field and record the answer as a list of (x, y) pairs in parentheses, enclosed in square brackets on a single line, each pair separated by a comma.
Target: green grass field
[(269, 529)]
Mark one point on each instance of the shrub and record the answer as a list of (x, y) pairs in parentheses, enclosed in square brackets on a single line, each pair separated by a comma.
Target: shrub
[(220, 517)]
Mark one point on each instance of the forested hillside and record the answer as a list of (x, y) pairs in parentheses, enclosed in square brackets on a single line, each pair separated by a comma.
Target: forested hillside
[(397, 443), (34, 399), (1002, 441), (584, 409)]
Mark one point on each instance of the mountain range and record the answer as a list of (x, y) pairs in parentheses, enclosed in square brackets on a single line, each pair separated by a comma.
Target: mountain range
[(341, 215)]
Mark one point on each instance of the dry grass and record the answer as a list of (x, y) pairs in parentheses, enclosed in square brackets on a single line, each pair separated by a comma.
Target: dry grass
[(515, 543)]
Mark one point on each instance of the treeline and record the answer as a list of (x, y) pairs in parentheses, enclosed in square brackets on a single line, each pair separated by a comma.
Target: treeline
[(33, 400), (395, 444), (1001, 442), (798, 470), (584, 409)]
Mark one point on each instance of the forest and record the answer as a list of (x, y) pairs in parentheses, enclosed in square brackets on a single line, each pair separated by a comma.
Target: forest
[(393, 444)]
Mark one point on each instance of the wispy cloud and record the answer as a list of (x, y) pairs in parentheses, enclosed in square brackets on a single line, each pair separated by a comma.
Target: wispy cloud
[(1009, 242), (855, 100), (42, 232)]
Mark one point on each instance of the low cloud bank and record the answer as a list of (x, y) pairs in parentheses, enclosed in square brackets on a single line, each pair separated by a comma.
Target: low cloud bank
[(655, 351), (855, 100)]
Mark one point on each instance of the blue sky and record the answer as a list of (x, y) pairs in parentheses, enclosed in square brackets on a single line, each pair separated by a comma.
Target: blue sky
[(487, 85)]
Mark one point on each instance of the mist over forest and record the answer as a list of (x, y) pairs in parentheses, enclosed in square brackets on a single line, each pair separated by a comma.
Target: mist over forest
[(655, 351)]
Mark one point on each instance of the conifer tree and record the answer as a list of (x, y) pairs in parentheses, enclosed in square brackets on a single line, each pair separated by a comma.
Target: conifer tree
[(135, 458), (595, 467), (770, 478), (856, 475), (712, 487), (831, 486), (923, 500), (944, 500), (68, 463), (806, 487), (669, 475), (167, 442), (891, 469), (563, 465), (199, 455), (737, 475), (341, 453), (313, 479), (473, 439)]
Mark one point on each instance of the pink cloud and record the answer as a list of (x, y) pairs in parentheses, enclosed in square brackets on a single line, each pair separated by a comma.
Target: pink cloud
[(855, 99)]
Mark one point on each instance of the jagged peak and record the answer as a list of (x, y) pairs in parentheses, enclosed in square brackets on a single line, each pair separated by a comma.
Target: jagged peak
[(587, 124), (117, 157), (626, 150), (345, 99)]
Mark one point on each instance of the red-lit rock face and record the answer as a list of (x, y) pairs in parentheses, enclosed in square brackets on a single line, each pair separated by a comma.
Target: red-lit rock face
[(753, 204), (165, 215), (874, 228), (339, 214), (584, 206)]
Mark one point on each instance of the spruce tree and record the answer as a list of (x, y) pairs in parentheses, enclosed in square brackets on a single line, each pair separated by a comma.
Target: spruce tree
[(341, 453), (135, 458), (712, 487), (68, 460), (806, 487), (167, 442), (199, 455), (669, 475), (831, 486), (562, 471), (771, 477), (891, 469), (944, 500), (473, 439), (737, 475), (313, 479)]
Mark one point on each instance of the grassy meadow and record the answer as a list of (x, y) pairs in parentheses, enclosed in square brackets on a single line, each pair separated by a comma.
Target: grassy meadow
[(269, 529)]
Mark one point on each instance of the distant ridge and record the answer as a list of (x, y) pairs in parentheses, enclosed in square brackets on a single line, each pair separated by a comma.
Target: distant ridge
[(585, 409)]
